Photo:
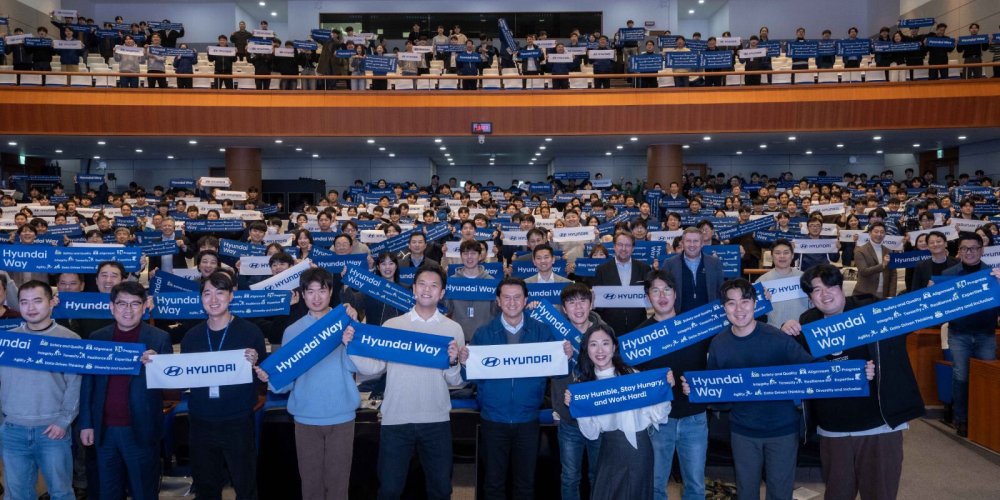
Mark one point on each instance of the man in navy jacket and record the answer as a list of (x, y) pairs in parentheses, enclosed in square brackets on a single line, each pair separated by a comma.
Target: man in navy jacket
[(509, 407), (118, 413)]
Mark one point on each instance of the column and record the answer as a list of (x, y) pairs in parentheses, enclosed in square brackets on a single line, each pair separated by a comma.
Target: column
[(664, 164), (243, 168)]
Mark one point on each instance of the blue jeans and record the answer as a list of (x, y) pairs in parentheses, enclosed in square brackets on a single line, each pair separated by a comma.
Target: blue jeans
[(121, 460), (689, 436), (964, 346), (27, 450), (431, 442), (571, 447)]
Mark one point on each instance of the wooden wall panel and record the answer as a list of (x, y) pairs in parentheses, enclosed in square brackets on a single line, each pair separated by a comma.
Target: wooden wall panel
[(68, 111)]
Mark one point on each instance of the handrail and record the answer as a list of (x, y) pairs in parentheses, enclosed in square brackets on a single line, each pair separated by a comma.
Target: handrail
[(663, 73)]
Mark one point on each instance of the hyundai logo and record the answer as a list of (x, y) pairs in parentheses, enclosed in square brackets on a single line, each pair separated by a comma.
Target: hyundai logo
[(172, 371), (491, 361), (609, 296)]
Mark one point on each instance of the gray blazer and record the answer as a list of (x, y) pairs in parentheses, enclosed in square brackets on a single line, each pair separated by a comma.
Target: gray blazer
[(713, 276)]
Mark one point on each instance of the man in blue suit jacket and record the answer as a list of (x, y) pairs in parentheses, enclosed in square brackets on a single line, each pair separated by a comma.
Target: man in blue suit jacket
[(697, 275), (118, 413)]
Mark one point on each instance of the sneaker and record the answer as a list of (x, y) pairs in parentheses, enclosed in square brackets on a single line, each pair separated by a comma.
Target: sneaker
[(962, 429)]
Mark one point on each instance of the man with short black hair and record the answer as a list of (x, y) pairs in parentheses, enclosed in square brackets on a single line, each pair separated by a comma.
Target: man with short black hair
[(417, 246), (543, 257), (118, 413)]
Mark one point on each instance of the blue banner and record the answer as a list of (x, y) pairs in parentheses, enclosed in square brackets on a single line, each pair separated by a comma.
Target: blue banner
[(213, 226), (336, 263), (973, 40), (755, 225), (159, 248), (450, 48), (471, 289), (527, 269), (170, 51), (49, 259), (321, 35), (245, 304), (182, 183), (931, 306), (717, 59), (906, 260), (400, 346), (123, 221), (506, 37), (233, 248), (465, 57), (380, 64), (305, 45), (897, 47), (676, 333), (836, 379), (632, 34), (56, 354), (916, 23), (646, 63), (560, 327), (106, 33), (343, 54), (772, 236), (940, 42), (84, 178), (37, 42), (494, 268), (10, 324), (826, 47), (540, 187), (70, 230), (565, 176), (397, 243), (666, 41), (730, 257), (683, 60), (85, 305), (484, 234), (696, 45), (773, 47), (163, 282), (545, 291), (621, 393), (587, 267), (307, 348), (802, 50), (379, 289)]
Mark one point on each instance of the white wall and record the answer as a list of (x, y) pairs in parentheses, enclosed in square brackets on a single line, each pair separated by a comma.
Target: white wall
[(203, 22), (26, 17), (782, 17), (980, 156), (689, 26), (957, 14), (719, 22)]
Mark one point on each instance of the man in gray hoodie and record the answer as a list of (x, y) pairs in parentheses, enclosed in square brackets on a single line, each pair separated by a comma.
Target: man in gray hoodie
[(39, 408)]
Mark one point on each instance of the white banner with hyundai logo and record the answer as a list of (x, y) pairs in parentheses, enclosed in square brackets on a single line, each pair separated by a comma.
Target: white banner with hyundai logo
[(620, 296), (200, 369), (537, 359)]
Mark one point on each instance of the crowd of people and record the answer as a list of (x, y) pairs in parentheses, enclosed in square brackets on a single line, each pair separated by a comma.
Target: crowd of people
[(117, 422), (335, 53)]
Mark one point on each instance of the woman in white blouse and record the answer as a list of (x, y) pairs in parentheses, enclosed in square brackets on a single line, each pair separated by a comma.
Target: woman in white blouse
[(625, 463)]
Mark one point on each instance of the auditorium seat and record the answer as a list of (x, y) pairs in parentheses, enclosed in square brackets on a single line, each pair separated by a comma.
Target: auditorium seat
[(511, 83), (874, 76), (780, 78), (244, 83), (447, 84), (806, 78), (101, 80), (539, 83), (204, 83), (734, 80), (828, 77), (401, 84), (56, 80), (664, 81), (491, 84), (31, 80), (8, 79), (580, 83), (424, 84)]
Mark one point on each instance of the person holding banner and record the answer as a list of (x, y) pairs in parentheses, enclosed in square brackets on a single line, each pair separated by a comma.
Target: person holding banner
[(155, 64), (509, 406), (471, 314), (625, 463), (416, 409), (872, 260), (38, 408), (241, 38), (756, 63), (696, 274), (375, 312), (686, 431), (531, 56), (223, 65), (972, 54), (222, 424), (322, 400), (543, 258), (128, 62), (783, 310), (624, 271), (417, 246), (861, 443), (814, 229), (937, 244), (117, 413), (938, 55), (262, 66)]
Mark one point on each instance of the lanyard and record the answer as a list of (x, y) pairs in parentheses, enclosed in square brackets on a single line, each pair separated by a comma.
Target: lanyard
[(208, 336)]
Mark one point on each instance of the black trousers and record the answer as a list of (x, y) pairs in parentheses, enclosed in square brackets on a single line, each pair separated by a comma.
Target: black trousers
[(511, 447), (154, 81), (218, 446)]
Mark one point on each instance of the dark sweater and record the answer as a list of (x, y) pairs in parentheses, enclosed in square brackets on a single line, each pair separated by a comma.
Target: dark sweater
[(691, 358), (234, 401), (765, 346)]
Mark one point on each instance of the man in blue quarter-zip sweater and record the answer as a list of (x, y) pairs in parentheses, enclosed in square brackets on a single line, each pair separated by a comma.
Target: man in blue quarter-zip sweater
[(509, 406)]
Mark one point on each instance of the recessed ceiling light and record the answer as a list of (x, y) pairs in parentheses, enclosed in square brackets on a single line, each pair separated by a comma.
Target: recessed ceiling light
[(707, 138), (685, 146), (633, 139), (138, 150), (381, 148), (262, 4), (12, 143), (436, 141), (607, 153), (619, 147), (548, 139), (701, 1), (222, 150), (99, 143), (298, 149), (443, 148), (170, 157), (192, 142), (274, 14), (739, 152), (392, 155), (278, 141), (538, 154), (372, 141), (878, 152), (315, 155), (809, 152), (877, 138), (447, 155), (97, 157), (58, 151), (690, 11), (962, 137), (916, 145), (792, 138), (839, 146), (763, 146)]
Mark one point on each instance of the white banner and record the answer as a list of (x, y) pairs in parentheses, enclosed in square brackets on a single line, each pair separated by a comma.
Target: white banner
[(966, 224), (285, 280), (65, 13), (215, 181), (535, 359), (559, 58), (254, 48), (950, 233), (355, 39), (409, 56), (423, 49), (565, 234), (215, 50), (750, 53), (263, 33), (601, 54), (284, 240), (14, 39), (515, 238), (847, 235), (620, 296), (231, 195), (198, 369), (257, 265), (546, 44), (729, 41), (67, 44), (580, 50), (451, 248), (667, 236), (809, 245), (829, 208), (991, 256), (372, 236), (135, 51), (784, 289), (828, 229), (284, 52)]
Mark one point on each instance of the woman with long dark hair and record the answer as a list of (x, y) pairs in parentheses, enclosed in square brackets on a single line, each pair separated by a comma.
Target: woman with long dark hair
[(625, 464)]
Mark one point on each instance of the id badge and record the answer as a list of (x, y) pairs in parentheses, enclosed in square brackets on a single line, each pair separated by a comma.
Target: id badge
[(213, 392), (472, 312)]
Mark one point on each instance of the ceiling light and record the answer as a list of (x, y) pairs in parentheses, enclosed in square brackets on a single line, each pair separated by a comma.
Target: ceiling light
[(739, 152), (99, 143), (548, 139), (372, 141), (633, 139), (690, 11), (97, 157), (298, 149), (443, 148), (315, 155), (262, 4), (878, 152), (962, 137), (274, 14), (447, 155), (607, 153), (278, 141), (707, 138), (170, 157), (809, 152), (222, 150), (701, 2), (381, 148), (542, 148), (392, 155), (58, 151), (138, 151), (763, 146), (619, 147), (685, 147), (791, 138), (839, 146), (436, 141), (192, 142), (877, 138), (12, 143), (538, 154), (916, 145)]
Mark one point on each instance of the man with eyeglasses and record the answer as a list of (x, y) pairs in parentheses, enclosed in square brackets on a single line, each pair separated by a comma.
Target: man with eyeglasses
[(687, 429), (971, 336), (117, 412)]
